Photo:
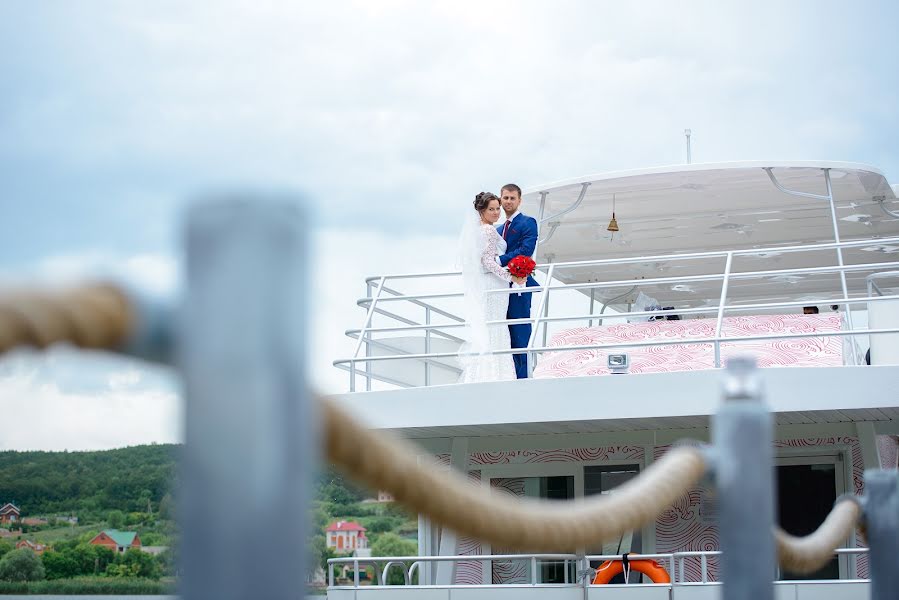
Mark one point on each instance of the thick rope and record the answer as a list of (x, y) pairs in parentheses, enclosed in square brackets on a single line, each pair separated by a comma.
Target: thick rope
[(94, 316), (804, 555), (100, 316), (384, 462)]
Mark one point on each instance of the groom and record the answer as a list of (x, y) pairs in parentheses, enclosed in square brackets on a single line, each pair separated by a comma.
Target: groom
[(520, 233)]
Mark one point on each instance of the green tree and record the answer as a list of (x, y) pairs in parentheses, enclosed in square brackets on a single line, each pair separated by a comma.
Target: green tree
[(166, 505), (5, 547), (318, 553), (390, 544), (115, 519), (105, 557), (87, 559), (142, 563), (383, 524), (60, 565), (121, 570), (21, 565), (168, 561)]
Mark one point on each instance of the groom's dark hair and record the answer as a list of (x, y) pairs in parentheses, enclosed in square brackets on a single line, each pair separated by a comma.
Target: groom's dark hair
[(512, 188)]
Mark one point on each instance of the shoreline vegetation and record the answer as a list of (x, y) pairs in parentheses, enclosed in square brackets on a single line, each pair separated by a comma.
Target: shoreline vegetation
[(70, 497), (91, 585)]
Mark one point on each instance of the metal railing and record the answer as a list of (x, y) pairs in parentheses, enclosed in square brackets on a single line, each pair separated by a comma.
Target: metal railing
[(376, 301), (674, 563)]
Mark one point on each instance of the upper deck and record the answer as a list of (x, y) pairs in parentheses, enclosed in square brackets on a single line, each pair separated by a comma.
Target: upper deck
[(735, 250)]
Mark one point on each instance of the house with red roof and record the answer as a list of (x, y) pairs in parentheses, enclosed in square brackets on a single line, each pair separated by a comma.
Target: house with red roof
[(9, 513), (117, 541), (34, 546), (346, 536)]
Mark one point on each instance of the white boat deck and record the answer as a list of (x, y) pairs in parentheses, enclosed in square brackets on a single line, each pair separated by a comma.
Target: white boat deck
[(666, 405)]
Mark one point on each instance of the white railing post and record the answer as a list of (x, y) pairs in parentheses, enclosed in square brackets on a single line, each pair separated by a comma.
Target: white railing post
[(352, 375), (836, 238), (368, 365), (533, 570), (532, 356), (363, 334), (721, 304), (427, 346)]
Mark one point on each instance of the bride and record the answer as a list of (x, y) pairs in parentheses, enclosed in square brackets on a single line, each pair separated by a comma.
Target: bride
[(480, 244)]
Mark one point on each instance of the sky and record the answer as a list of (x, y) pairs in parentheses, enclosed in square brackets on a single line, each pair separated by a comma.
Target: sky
[(386, 117)]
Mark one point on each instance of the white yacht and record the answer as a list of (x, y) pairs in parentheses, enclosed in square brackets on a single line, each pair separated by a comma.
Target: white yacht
[(795, 263)]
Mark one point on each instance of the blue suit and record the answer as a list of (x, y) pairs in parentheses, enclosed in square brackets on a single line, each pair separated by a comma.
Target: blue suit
[(521, 238)]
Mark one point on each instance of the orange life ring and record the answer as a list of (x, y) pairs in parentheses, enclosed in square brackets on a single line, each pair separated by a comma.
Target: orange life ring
[(650, 568)]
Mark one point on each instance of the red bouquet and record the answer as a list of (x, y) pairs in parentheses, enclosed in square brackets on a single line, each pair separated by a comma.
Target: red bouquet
[(521, 266)]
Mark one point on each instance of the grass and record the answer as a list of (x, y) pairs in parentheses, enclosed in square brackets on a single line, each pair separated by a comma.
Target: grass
[(48, 536), (89, 585)]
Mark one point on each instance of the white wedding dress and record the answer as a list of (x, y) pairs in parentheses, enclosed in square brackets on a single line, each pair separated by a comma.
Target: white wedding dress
[(482, 272)]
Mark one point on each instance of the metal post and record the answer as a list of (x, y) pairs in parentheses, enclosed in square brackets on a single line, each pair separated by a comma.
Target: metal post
[(881, 503), (250, 422), (364, 335), (352, 375), (533, 570), (368, 365), (427, 346), (546, 314), (836, 238), (742, 445), (721, 303), (532, 356), (687, 133), (592, 303)]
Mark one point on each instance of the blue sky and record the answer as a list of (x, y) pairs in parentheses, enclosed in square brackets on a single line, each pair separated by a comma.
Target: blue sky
[(388, 116)]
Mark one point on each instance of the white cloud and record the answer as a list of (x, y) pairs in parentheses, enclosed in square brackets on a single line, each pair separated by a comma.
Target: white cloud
[(63, 399), (390, 115), (80, 400), (148, 273)]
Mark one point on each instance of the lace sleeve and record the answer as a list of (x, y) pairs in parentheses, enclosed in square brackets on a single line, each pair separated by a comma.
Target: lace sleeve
[(488, 258)]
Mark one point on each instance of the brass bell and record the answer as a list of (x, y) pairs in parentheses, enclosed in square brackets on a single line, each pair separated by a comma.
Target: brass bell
[(613, 224)]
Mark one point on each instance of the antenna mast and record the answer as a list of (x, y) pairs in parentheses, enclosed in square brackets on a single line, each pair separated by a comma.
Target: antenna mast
[(687, 133)]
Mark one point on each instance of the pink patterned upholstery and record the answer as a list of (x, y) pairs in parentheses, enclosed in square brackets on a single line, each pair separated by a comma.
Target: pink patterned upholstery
[(797, 352)]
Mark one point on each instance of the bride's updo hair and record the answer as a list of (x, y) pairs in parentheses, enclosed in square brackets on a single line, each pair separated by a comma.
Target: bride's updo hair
[(482, 201)]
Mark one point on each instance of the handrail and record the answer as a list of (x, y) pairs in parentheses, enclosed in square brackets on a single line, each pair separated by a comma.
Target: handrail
[(382, 344), (427, 306), (659, 280), (668, 257), (543, 318), (643, 344), (646, 313), (675, 560)]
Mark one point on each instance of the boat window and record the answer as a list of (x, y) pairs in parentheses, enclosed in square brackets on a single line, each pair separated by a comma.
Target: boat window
[(518, 571), (806, 493), (603, 479)]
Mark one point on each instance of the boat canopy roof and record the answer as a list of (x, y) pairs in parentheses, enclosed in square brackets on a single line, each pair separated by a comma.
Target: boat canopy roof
[(710, 207)]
